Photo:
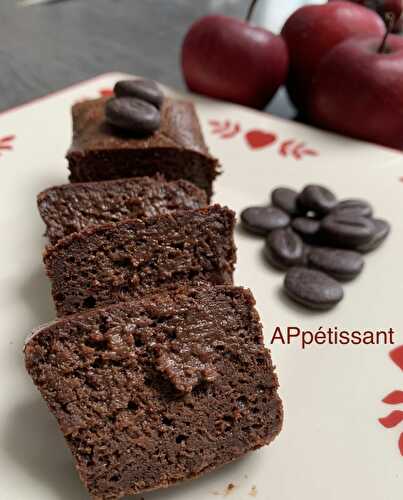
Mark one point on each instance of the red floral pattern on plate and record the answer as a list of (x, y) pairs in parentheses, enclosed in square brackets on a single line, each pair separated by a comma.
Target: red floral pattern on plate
[(292, 147), (106, 92), (225, 130), (394, 398), (395, 417), (5, 143), (260, 139), (397, 356)]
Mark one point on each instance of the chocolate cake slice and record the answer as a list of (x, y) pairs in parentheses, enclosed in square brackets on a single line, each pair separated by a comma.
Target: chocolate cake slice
[(115, 262), (72, 207), (177, 150), (158, 390)]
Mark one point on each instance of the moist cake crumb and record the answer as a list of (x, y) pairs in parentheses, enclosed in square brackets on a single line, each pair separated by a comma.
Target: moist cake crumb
[(115, 262), (130, 426), (72, 207)]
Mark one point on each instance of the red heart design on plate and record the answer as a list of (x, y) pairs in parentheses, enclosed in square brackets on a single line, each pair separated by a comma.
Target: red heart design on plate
[(259, 139)]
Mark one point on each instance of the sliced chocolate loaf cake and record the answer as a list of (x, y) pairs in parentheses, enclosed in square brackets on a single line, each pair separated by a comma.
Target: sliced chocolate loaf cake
[(177, 149), (72, 207), (116, 262), (158, 390)]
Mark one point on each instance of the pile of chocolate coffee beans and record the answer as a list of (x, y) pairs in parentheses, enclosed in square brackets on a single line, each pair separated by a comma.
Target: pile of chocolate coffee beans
[(318, 240)]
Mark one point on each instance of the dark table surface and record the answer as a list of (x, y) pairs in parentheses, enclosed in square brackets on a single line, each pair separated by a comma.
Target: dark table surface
[(44, 48)]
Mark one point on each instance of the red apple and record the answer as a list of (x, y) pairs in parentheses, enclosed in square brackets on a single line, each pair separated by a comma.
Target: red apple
[(358, 90), (394, 6), (382, 6), (230, 59), (311, 31), (398, 27)]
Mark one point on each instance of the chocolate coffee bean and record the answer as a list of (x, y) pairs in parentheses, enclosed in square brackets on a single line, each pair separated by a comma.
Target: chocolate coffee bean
[(317, 240), (262, 220), (344, 265), (347, 231), (146, 90), (317, 199), (382, 229), (286, 199), (132, 114), (312, 288), (353, 207), (284, 248), (307, 228)]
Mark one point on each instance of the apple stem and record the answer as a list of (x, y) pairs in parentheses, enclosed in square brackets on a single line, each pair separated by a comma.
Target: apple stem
[(390, 22), (250, 10)]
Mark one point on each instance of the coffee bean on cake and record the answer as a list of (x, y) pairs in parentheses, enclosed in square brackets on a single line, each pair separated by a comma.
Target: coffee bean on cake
[(146, 90), (133, 115)]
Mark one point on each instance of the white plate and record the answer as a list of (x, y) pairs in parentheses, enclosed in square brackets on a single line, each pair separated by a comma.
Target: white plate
[(333, 446)]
